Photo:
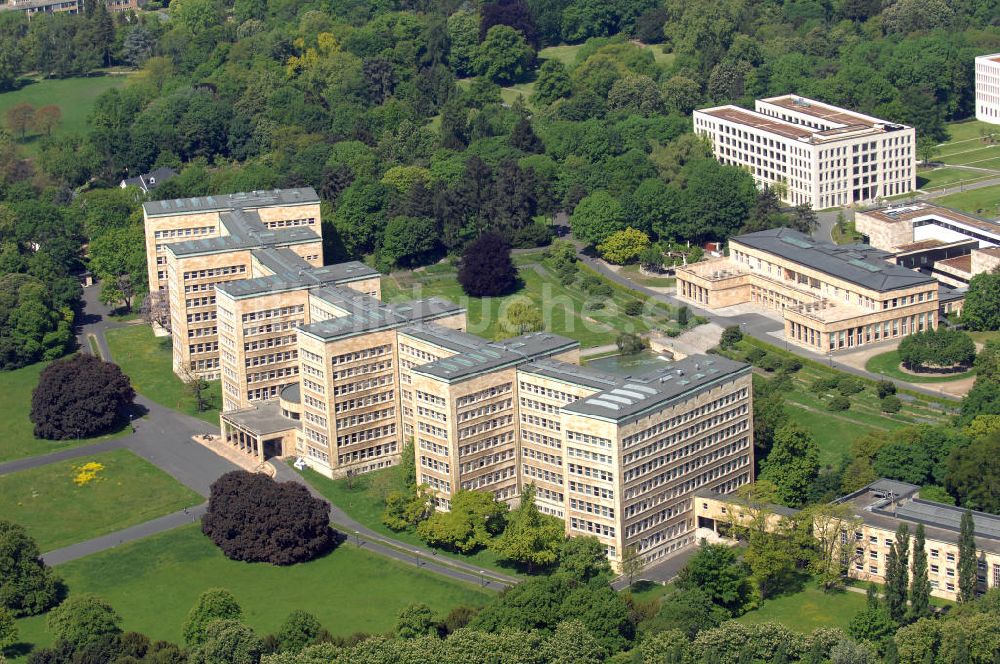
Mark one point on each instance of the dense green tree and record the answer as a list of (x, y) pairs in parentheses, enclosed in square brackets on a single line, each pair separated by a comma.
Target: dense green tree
[(213, 604), (463, 33), (596, 217), (360, 218), (504, 56), (583, 558), (83, 619), (967, 559), (228, 641), (408, 242), (920, 586), (28, 587), (690, 612), (941, 347), (297, 631), (873, 624), (623, 246), (735, 642), (513, 13), (982, 302), (973, 471), (31, 325), (792, 464), (531, 538), (474, 519), (716, 571), (572, 643), (898, 574), (552, 83), (769, 413), (414, 621)]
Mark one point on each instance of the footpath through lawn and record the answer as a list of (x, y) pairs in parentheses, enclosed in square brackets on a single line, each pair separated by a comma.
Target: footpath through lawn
[(58, 512)]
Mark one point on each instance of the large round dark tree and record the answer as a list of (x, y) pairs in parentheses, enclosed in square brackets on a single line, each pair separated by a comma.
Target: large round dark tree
[(80, 396), (253, 518), (486, 267)]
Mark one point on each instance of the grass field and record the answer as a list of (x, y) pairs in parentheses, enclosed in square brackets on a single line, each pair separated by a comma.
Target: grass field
[(835, 431), (808, 609), (363, 503), (849, 235), (57, 512), (567, 310), (154, 582), (984, 201), (936, 178), (75, 97), (566, 53), (888, 365), (147, 360), (17, 439)]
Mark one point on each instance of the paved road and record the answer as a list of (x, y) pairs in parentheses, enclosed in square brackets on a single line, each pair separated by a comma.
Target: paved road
[(168, 522)]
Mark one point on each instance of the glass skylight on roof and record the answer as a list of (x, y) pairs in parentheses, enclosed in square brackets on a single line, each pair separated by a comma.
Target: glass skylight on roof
[(605, 404), (628, 393), (796, 242)]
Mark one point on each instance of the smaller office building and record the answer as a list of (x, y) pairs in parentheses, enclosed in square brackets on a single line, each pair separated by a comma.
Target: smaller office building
[(830, 296), (878, 510), (988, 88)]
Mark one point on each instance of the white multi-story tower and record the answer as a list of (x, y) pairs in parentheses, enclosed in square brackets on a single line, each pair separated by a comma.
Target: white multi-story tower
[(820, 155), (988, 88)]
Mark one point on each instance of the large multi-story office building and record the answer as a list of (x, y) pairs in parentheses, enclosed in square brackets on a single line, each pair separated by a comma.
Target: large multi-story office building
[(877, 510), (988, 88), (818, 154), (830, 296), (313, 364)]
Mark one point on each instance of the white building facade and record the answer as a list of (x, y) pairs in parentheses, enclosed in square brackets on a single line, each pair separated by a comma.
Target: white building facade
[(988, 88), (820, 155)]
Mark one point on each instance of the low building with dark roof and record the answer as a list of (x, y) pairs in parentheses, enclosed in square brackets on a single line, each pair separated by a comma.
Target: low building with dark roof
[(147, 182), (830, 296)]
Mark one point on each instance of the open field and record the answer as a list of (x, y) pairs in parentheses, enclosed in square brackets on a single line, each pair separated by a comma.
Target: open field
[(808, 609), (364, 503), (985, 201), (936, 178), (57, 512), (888, 365), (566, 310), (154, 582), (633, 273), (566, 53), (18, 439), (147, 360), (75, 97)]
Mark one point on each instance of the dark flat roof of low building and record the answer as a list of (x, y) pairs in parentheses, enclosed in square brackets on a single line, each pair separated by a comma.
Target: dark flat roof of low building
[(639, 394), (886, 503), (242, 200), (860, 264), (444, 337)]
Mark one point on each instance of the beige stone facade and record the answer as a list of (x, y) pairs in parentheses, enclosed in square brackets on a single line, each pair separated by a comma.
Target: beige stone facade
[(830, 297), (879, 509), (816, 154)]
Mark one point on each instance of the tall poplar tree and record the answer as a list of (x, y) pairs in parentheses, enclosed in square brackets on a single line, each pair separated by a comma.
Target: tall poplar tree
[(967, 559), (920, 586)]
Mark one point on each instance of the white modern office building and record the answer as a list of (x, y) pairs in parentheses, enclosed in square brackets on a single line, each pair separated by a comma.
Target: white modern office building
[(818, 154), (988, 88)]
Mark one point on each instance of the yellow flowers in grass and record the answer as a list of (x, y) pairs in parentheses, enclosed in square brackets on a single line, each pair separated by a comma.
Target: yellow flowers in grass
[(87, 473)]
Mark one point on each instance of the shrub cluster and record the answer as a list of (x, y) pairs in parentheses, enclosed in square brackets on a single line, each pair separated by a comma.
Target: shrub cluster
[(253, 518)]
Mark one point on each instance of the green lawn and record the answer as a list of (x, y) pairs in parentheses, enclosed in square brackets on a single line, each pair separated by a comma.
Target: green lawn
[(849, 235), (984, 201), (566, 53), (967, 129), (936, 178), (808, 609), (983, 337), (363, 503), (147, 360), (75, 97), (633, 273), (57, 512), (154, 582), (17, 439), (888, 364), (566, 310), (835, 431)]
